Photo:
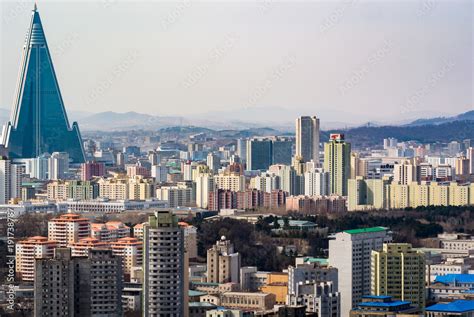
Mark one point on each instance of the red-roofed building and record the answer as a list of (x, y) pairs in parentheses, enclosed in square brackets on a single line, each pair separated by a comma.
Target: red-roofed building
[(68, 228), (26, 251)]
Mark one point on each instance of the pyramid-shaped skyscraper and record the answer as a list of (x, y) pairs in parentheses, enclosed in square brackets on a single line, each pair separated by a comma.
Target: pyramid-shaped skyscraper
[(39, 122)]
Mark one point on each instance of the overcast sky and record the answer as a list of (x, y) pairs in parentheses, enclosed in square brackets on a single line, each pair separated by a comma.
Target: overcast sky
[(351, 60)]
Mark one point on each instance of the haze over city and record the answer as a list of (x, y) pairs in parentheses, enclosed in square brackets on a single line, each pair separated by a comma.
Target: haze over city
[(342, 60), (237, 159)]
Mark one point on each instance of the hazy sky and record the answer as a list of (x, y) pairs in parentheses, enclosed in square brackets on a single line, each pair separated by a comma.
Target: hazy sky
[(351, 60)]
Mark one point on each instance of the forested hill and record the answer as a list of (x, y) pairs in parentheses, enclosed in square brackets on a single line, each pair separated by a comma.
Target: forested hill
[(370, 136)]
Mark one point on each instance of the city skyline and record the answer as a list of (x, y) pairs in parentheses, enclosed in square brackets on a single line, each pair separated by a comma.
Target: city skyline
[(261, 59)]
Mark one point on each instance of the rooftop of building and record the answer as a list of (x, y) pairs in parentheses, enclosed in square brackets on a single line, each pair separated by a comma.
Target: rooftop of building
[(321, 261), (455, 278), (193, 293), (36, 240), (366, 230), (201, 304), (458, 306)]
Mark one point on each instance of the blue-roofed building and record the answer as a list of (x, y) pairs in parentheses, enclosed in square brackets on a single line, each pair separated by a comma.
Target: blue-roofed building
[(458, 308), (451, 287), (466, 280), (383, 306)]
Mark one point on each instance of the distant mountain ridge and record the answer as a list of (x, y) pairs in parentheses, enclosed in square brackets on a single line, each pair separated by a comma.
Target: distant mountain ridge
[(440, 120)]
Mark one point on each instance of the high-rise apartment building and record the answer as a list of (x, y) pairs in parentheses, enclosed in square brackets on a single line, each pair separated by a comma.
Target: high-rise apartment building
[(406, 172), (131, 252), (205, 184), (367, 194), (163, 266), (223, 264), (399, 271), (232, 182), (58, 165), (470, 156), (337, 158), (68, 228), (307, 138), (10, 180), (26, 251), (39, 121), (78, 286), (72, 189), (316, 182), (289, 180), (214, 162), (350, 252), (92, 169)]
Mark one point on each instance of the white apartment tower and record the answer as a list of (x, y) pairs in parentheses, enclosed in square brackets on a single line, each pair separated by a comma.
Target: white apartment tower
[(10, 180), (316, 182), (350, 252)]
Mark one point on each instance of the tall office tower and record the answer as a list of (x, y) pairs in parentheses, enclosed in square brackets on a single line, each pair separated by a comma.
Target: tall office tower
[(470, 156), (39, 123), (58, 165), (282, 150), (316, 182), (163, 266), (399, 271), (68, 228), (406, 172), (92, 169), (337, 156), (259, 154), (78, 286), (350, 253), (242, 149), (10, 180), (214, 162), (223, 264), (120, 159), (205, 184), (307, 138)]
